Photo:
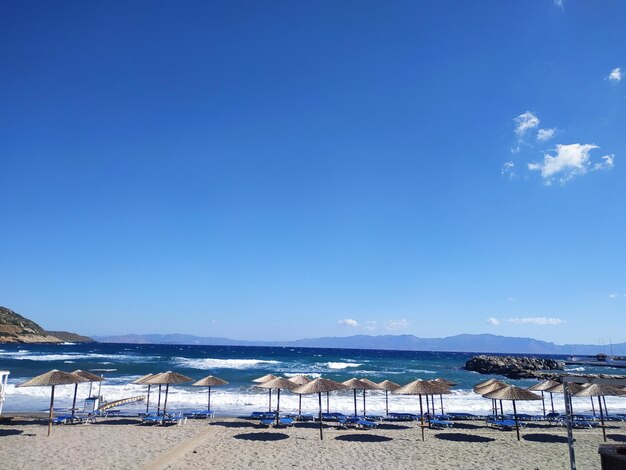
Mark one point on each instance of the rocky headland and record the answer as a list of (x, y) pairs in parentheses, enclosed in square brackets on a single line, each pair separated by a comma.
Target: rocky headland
[(14, 328), (513, 367)]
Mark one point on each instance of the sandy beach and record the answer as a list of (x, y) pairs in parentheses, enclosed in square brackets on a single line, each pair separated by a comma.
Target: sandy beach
[(122, 443)]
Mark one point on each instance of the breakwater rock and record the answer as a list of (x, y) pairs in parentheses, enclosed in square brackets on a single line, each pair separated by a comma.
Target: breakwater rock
[(511, 366)]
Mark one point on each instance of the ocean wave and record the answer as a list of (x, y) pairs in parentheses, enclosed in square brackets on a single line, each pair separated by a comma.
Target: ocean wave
[(308, 374), (28, 356), (574, 369), (342, 365), (210, 363)]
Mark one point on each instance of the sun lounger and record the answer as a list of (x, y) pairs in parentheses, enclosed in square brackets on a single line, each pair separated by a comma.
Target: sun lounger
[(357, 423), (441, 424), (282, 422), (199, 414), (504, 424), (585, 424), (464, 416), (333, 416), (262, 415), (402, 417), (374, 417)]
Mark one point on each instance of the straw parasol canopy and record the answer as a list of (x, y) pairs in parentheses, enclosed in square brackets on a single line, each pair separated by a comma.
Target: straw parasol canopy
[(485, 382), (600, 390), (89, 377), (300, 380), (513, 393), (167, 378), (142, 381), (360, 384), (388, 386), (319, 385), (421, 387), (52, 379), (278, 383), (542, 387), (265, 378), (447, 382), (490, 387), (209, 381)]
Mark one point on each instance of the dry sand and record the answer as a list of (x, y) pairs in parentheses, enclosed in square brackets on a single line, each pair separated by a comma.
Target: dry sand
[(118, 443)]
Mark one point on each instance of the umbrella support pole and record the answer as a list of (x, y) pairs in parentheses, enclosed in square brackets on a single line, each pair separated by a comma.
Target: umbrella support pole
[(148, 401), (74, 401), (320, 417), (421, 417), (593, 408), (441, 401), (387, 402), (363, 403), (51, 411), (354, 390), (327, 403), (159, 402), (551, 401), (516, 422), (270, 407), (601, 418), (167, 389), (300, 405), (277, 407), (209, 404), (543, 402)]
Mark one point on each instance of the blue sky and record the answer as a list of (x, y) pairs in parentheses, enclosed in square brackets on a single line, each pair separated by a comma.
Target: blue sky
[(279, 170)]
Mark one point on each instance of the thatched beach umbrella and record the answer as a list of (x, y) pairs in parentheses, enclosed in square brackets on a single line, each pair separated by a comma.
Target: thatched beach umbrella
[(485, 382), (52, 379), (209, 381), (488, 388), (299, 380), (89, 377), (388, 386), (278, 383), (141, 381), (265, 378), (513, 393), (447, 383), (167, 378), (572, 387), (355, 384), (543, 387), (600, 390), (445, 390), (420, 387), (318, 386)]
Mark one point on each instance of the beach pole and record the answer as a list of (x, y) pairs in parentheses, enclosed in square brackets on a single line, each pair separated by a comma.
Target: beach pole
[(299, 404), (601, 418), (441, 400), (159, 402), (167, 389), (277, 407), (270, 408), (421, 417), (327, 403), (387, 402), (568, 421), (363, 403), (51, 411), (320, 418), (543, 402), (209, 405), (354, 390), (516, 422), (74, 401), (593, 408), (148, 401)]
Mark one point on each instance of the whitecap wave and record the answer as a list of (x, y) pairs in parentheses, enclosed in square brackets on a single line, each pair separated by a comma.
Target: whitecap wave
[(29, 356), (342, 365), (210, 363)]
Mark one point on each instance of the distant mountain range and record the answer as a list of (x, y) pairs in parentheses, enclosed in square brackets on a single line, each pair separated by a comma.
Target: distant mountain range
[(14, 328), (482, 343)]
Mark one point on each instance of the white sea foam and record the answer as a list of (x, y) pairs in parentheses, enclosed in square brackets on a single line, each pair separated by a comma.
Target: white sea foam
[(295, 374), (243, 400), (210, 363), (342, 365), (28, 356)]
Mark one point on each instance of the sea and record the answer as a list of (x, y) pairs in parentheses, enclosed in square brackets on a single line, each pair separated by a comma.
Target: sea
[(120, 364)]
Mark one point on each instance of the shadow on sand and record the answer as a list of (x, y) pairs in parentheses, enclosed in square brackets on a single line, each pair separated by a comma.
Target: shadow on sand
[(10, 432), (616, 437), (458, 437), (363, 438), (262, 436), (119, 421), (233, 424), (392, 426), (545, 438)]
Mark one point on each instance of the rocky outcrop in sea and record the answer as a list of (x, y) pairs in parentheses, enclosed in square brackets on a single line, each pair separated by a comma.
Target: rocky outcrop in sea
[(513, 367), (14, 328)]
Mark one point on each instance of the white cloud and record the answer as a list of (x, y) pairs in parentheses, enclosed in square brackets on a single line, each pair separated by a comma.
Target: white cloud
[(616, 295), (396, 324), (493, 321), (370, 325), (545, 134), (559, 3), (525, 122), (507, 170), (536, 321), (570, 161), (615, 75), (349, 322)]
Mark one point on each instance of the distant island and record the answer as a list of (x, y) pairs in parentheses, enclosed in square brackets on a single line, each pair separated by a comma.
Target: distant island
[(14, 328), (478, 343)]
